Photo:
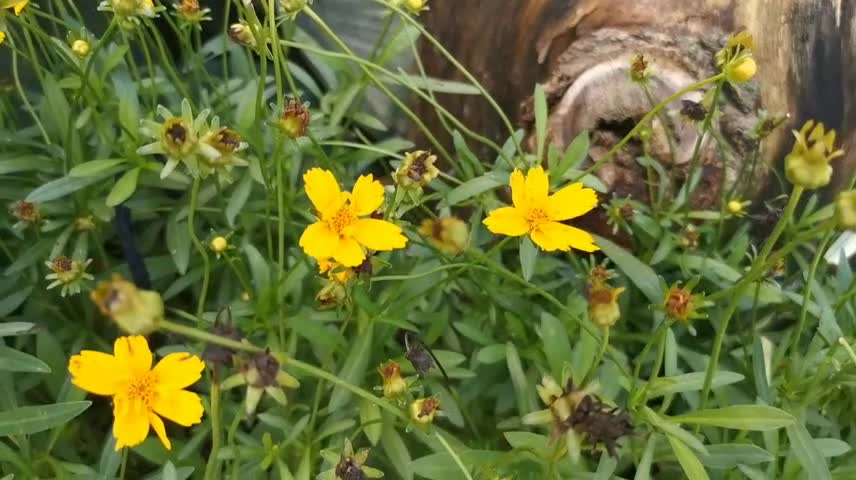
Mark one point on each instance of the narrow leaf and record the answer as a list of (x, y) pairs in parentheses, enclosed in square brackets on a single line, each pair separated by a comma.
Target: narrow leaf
[(28, 420)]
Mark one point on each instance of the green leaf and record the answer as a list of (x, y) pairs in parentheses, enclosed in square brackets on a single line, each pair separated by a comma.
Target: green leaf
[(10, 329), (124, 188), (368, 121), (832, 447), (689, 461), (518, 379), (94, 167), (575, 154), (12, 360), (673, 430), (238, 199), (259, 269), (643, 469), (757, 418), (491, 354), (475, 186), (28, 420), (67, 185), (396, 451), (34, 254), (540, 102), (354, 367), (371, 420), (640, 274), (437, 85), (178, 243), (557, 345), (807, 452), (605, 467), (528, 257), (729, 455), (689, 382), (14, 300)]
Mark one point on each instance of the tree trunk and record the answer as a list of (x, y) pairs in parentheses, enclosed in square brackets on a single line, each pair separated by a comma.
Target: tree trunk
[(581, 51)]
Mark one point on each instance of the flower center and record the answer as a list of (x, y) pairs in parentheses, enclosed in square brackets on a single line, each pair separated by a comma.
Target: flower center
[(142, 388), (341, 219), (536, 217)]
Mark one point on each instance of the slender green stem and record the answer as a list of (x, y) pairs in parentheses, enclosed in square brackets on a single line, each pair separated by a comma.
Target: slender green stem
[(452, 453), (380, 85), (206, 262), (239, 274), (659, 334), (755, 271), (27, 105), (604, 344), (818, 256), (212, 468), (644, 121), (124, 466), (689, 186)]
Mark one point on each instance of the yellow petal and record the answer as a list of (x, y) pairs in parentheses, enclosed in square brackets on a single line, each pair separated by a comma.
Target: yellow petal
[(180, 406), (378, 234), (537, 185), (96, 372), (349, 253), (507, 221), (518, 189), (133, 354), (131, 423), (322, 188), (571, 202), (20, 6), (551, 236), (367, 195), (2, 36), (178, 370), (319, 241), (160, 430)]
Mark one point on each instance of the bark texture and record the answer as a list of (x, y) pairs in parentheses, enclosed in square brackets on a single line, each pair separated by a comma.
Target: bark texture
[(581, 50)]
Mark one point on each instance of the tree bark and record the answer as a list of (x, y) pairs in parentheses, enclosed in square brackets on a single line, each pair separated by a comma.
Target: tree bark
[(581, 50)]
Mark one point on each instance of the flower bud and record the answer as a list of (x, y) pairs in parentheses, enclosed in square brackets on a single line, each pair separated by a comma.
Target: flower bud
[(331, 295), (219, 244), (80, 48), (845, 210), (393, 384), (639, 69), (741, 70), (27, 212), (293, 7), (241, 34), (450, 235), (416, 6), (603, 305), (137, 312)]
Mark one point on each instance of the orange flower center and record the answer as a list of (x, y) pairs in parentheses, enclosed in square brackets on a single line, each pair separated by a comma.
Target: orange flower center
[(341, 219), (536, 217), (143, 388)]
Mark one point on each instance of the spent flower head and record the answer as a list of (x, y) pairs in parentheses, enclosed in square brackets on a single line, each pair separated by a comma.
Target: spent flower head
[(450, 235), (349, 465), (242, 34), (191, 14), (538, 214), (141, 394), (261, 374), (604, 310), (68, 272), (735, 59), (136, 311), (423, 410), (639, 72), (294, 119), (27, 213), (293, 7), (681, 304), (416, 170), (807, 165)]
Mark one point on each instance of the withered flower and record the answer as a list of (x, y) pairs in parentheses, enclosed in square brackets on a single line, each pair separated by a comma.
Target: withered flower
[(423, 410), (295, 118)]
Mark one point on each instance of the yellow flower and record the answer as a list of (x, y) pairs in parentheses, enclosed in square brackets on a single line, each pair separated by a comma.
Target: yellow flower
[(537, 213), (334, 270), (80, 48), (807, 165), (19, 6), (742, 70), (2, 36), (737, 207), (340, 233), (135, 311), (141, 394), (450, 235)]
